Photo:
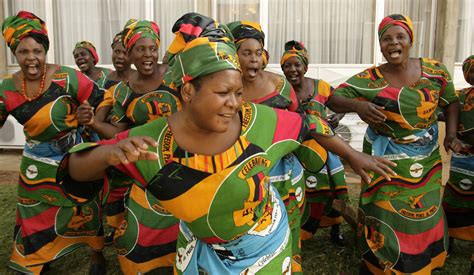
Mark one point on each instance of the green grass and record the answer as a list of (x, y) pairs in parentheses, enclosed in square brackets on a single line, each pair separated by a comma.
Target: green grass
[(319, 255)]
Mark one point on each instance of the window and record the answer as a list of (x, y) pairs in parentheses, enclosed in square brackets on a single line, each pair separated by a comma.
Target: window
[(465, 41)]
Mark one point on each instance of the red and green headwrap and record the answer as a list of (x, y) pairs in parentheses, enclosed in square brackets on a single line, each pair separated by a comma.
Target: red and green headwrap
[(118, 39), (136, 29), (467, 66), (296, 49), (24, 24), (243, 30), (201, 47), (90, 47), (396, 20)]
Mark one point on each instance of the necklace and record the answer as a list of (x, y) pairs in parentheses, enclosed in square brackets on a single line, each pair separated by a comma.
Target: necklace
[(40, 90)]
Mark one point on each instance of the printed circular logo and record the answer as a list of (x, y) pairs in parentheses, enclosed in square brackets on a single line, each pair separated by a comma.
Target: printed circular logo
[(416, 170), (311, 181), (32, 171), (299, 193), (465, 184), (286, 266)]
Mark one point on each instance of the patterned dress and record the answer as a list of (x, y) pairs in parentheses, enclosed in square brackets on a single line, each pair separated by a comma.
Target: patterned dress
[(287, 174), (458, 200), (232, 220), (329, 183), (101, 81), (48, 224), (146, 237), (402, 224)]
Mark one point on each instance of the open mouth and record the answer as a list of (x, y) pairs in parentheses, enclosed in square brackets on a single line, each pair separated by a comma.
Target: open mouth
[(252, 72), (395, 53), (293, 77), (32, 69), (148, 65)]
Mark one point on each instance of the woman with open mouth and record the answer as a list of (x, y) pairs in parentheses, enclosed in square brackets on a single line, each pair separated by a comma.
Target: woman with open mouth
[(402, 226), (272, 90), (43, 98), (146, 238), (324, 187), (208, 164), (86, 58)]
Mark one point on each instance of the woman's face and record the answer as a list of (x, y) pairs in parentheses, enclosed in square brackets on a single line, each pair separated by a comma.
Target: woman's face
[(120, 58), (251, 59), (144, 55), (31, 56), (470, 76), (84, 59), (395, 45), (217, 102), (294, 70)]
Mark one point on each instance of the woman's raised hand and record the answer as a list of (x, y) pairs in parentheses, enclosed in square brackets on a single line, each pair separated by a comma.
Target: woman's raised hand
[(131, 150)]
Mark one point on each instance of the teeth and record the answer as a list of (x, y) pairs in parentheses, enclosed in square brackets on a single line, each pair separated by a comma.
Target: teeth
[(394, 54)]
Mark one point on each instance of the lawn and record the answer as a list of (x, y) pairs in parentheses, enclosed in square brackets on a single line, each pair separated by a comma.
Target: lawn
[(319, 255)]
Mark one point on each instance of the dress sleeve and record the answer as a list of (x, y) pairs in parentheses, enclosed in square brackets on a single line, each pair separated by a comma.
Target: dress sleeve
[(82, 192), (86, 89), (447, 94), (108, 98)]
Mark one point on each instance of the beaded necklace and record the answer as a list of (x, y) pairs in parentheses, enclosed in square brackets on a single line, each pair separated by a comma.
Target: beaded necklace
[(41, 87)]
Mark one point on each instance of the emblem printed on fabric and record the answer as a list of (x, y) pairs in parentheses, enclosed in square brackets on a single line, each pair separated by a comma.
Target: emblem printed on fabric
[(31, 171), (252, 163), (465, 184), (416, 170), (299, 193), (286, 266), (247, 116), (184, 254), (79, 220), (311, 182)]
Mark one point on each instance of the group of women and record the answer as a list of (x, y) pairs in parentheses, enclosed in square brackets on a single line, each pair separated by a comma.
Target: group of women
[(209, 163)]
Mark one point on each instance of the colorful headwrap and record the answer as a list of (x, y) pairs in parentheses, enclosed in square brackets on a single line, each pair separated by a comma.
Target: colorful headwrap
[(118, 39), (201, 47), (467, 66), (243, 30), (24, 24), (396, 20), (134, 30), (296, 49), (90, 47)]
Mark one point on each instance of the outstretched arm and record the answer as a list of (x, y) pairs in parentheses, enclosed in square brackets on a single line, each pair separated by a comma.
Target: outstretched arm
[(91, 165), (361, 163)]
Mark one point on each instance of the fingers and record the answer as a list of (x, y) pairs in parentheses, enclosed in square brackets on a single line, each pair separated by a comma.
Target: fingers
[(365, 177), (375, 113), (133, 149)]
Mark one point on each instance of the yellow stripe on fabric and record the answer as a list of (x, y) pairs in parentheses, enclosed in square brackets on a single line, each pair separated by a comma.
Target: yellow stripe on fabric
[(32, 182), (200, 196), (32, 127)]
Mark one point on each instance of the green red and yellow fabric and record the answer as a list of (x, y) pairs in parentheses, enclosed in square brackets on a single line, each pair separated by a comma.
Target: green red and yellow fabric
[(283, 97), (396, 20), (402, 219), (204, 41), (146, 238), (458, 200), (48, 224), (243, 30), (222, 197), (136, 29), (137, 108), (90, 47), (329, 183), (296, 49), (102, 80), (467, 66), (24, 24)]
